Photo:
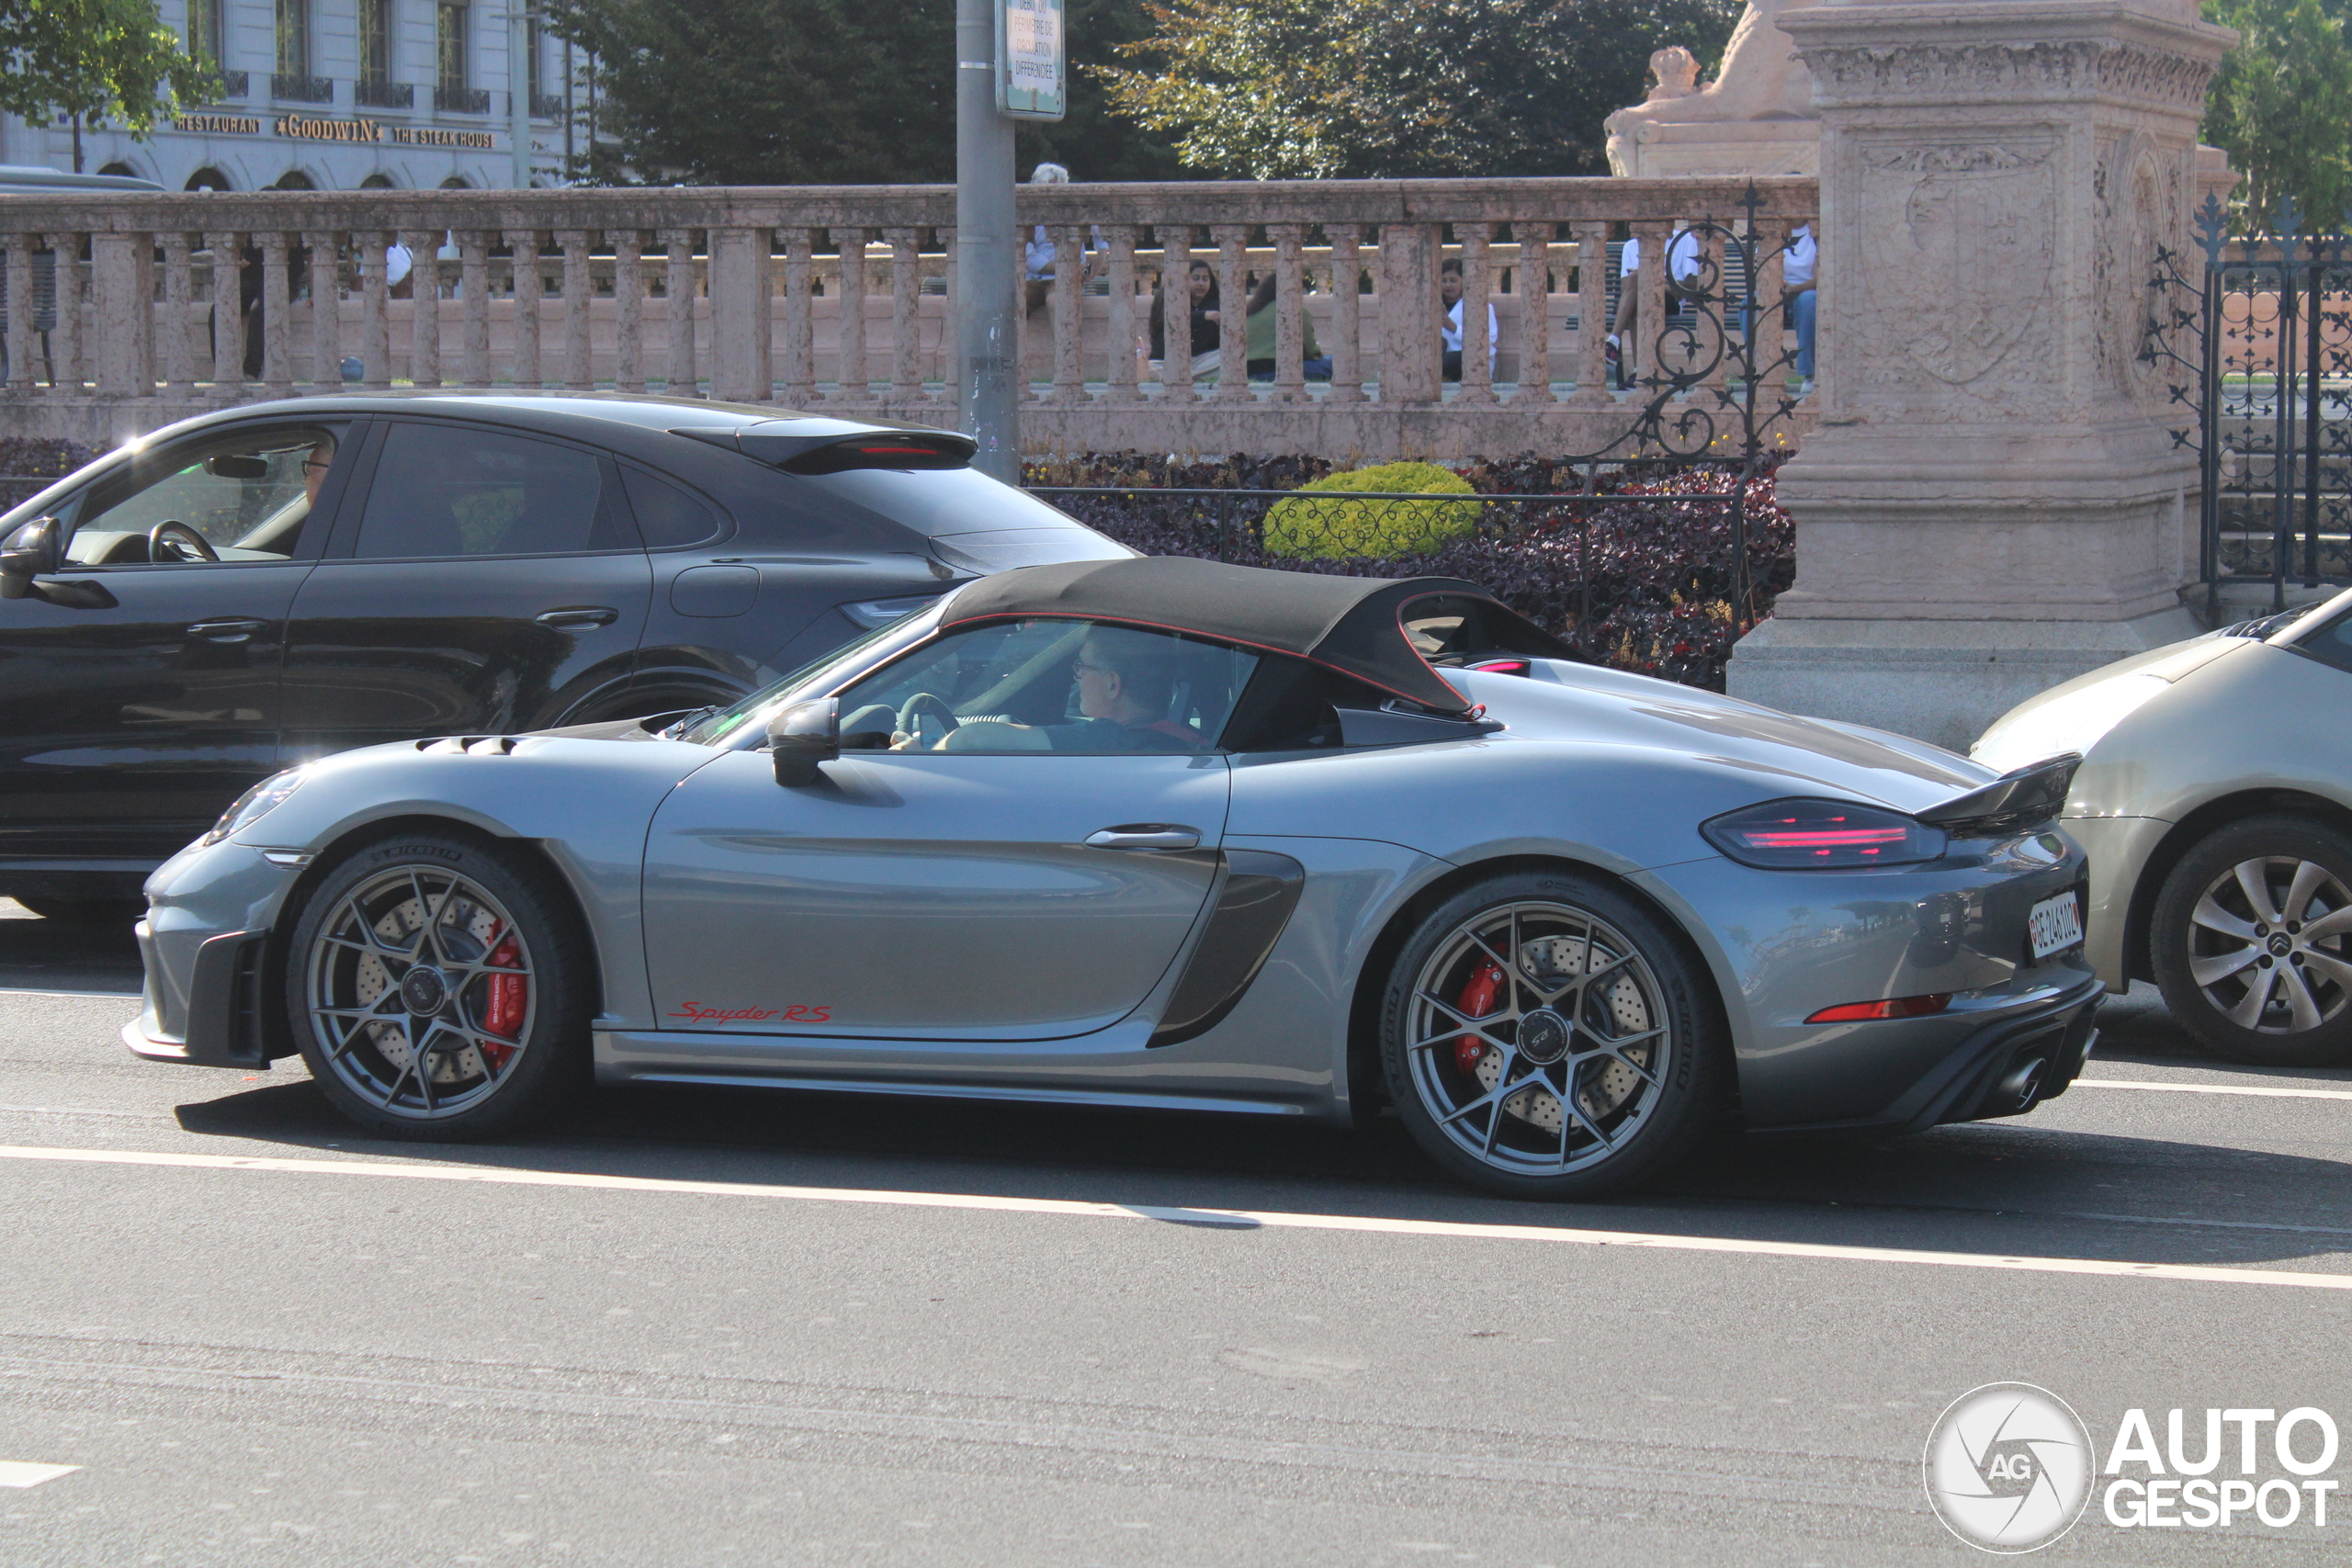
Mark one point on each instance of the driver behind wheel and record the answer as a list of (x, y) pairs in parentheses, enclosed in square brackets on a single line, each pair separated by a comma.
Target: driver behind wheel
[(1126, 684)]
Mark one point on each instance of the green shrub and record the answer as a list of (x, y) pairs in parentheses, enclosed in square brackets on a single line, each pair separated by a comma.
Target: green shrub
[(1333, 530)]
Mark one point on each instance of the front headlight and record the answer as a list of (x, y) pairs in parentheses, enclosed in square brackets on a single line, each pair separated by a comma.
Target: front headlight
[(254, 805), (2075, 722)]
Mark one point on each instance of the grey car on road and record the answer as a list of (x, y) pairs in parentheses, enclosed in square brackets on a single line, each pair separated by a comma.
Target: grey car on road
[(1162, 833)]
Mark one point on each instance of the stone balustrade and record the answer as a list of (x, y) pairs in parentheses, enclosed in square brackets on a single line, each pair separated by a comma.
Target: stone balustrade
[(841, 299)]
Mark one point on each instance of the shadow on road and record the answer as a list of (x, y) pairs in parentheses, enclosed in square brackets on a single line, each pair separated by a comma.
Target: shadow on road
[(47, 955), (1998, 1187)]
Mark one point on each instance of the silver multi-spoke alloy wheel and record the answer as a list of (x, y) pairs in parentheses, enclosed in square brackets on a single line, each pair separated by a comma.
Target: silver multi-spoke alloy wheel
[(1543, 1041), (420, 992), (2270, 944), (2252, 942)]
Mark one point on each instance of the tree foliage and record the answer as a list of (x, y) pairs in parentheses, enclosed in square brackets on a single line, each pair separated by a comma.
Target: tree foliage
[(2281, 106), (827, 92), (1274, 89), (92, 60)]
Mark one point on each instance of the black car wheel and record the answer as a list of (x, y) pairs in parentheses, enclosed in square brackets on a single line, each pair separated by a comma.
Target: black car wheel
[(2252, 942), (439, 987), (1546, 1036)]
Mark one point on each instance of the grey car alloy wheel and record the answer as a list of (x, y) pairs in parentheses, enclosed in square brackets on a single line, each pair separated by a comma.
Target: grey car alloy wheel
[(431, 985), (1546, 1043), (2254, 933)]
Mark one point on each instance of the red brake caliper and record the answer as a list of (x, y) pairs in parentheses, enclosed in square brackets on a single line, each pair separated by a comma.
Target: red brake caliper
[(1477, 999), (509, 999)]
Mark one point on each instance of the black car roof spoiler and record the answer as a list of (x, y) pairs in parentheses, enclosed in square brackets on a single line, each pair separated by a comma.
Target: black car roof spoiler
[(2022, 799), (832, 446)]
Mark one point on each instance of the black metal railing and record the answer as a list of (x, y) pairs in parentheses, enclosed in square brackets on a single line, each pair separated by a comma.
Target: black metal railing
[(369, 95), (2256, 334), (547, 106), (461, 100), (292, 89), (228, 85)]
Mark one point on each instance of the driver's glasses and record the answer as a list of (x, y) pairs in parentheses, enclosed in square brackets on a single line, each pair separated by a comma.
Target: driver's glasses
[(1080, 667)]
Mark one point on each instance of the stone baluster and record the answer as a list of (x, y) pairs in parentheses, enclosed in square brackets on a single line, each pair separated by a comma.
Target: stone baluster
[(1592, 317), (1712, 345), (679, 376), (66, 339), (1477, 278), (375, 326), (799, 389), (474, 282), (326, 311), (1347, 316), (741, 294), (178, 364), (1066, 319), (425, 306), (23, 340), (122, 314), (579, 289), (1290, 313), (1409, 312), (629, 310), (1534, 247), (1119, 324), (228, 317), (1233, 313), (1176, 313), (850, 383), (906, 316), (277, 305), (1649, 355), (529, 287)]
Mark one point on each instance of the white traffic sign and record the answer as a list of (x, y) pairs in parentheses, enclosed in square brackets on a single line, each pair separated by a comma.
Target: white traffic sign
[(1032, 67)]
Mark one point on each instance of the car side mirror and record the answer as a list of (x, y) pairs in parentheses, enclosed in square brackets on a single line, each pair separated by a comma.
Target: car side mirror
[(31, 551), (802, 738)]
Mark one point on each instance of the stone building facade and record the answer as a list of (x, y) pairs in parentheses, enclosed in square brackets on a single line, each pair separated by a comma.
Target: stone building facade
[(340, 94)]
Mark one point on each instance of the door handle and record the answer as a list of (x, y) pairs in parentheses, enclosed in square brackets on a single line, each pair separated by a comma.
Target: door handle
[(236, 630), (1145, 836), (579, 618)]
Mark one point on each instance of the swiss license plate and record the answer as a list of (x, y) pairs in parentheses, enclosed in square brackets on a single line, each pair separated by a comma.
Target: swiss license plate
[(2055, 925)]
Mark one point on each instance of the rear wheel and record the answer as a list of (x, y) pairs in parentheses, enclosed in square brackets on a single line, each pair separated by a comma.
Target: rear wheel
[(1546, 1036), (2252, 939), (439, 988)]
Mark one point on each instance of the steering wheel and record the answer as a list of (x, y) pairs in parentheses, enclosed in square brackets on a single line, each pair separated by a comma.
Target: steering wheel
[(921, 702), (184, 542)]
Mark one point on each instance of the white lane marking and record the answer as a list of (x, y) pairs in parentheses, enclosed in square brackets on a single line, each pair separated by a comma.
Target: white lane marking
[(20, 1473), (77, 1111), (2215, 1088), (72, 995), (1219, 1219)]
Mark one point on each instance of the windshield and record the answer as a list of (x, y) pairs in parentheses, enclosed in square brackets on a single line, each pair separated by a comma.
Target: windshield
[(814, 679)]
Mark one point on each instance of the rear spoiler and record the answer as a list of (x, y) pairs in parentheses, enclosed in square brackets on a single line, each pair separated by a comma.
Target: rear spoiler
[(832, 446), (2025, 797)]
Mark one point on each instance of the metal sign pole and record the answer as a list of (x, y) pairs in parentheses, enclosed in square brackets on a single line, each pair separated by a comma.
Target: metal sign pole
[(987, 342), (518, 89)]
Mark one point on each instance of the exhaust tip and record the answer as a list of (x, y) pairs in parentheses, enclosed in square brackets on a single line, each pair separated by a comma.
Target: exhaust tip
[(2021, 1084)]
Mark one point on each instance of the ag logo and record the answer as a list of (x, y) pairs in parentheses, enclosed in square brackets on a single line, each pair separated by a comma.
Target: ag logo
[(2008, 1467)]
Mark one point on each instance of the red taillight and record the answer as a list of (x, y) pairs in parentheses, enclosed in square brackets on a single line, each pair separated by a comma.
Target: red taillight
[(1827, 834), (1893, 1006), (1504, 666)]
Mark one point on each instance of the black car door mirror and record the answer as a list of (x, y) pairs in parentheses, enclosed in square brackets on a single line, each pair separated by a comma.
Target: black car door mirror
[(804, 737), (31, 551)]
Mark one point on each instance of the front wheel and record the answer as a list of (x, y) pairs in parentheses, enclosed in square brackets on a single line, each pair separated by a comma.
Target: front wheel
[(2252, 939), (439, 987), (1546, 1036)]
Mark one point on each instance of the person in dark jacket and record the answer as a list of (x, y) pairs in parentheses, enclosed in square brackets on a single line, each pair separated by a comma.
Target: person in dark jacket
[(1203, 282)]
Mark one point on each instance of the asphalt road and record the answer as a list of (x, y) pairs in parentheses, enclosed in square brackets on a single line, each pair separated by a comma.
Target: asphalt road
[(705, 1328)]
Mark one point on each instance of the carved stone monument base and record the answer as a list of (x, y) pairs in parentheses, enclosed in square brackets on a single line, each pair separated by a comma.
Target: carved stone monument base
[(1993, 504)]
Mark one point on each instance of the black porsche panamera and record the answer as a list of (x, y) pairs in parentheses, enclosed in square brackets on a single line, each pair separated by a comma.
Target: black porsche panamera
[(255, 587)]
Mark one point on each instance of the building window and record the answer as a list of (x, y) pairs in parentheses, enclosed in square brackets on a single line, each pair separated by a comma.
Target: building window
[(376, 41), (204, 31), (294, 38), (454, 76)]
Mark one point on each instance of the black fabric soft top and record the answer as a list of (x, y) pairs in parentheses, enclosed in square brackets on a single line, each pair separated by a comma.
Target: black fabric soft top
[(1353, 624)]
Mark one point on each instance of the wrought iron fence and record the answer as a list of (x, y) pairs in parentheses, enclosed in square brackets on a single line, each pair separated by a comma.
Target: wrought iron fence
[(2258, 334)]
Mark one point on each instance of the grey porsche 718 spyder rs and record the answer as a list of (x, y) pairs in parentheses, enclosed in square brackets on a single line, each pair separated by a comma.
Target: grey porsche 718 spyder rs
[(1166, 833)]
